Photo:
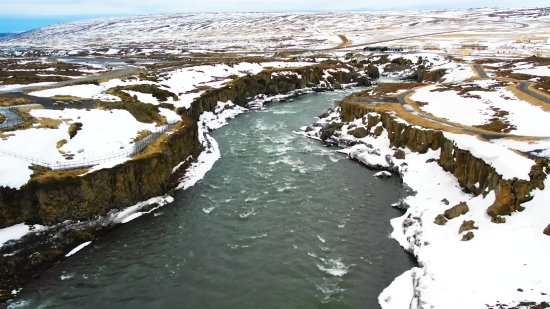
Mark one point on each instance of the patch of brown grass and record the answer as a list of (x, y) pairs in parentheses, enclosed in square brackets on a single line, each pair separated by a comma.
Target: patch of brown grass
[(2, 118), (66, 98), (389, 89), (44, 175), (8, 100), (141, 135), (61, 143), (527, 98)]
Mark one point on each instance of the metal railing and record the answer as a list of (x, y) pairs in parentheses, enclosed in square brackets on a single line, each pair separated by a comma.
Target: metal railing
[(11, 123), (70, 165)]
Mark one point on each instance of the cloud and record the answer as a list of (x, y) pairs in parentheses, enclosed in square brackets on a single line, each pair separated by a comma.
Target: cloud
[(134, 7)]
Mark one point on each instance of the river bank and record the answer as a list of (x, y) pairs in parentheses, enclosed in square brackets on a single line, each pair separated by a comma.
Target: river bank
[(248, 221), (178, 159), (458, 221)]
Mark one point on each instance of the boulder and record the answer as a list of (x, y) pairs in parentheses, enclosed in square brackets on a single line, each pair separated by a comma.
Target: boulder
[(440, 220), (467, 226), (445, 201), (360, 132), (337, 86), (468, 236), (498, 219), (373, 72), (456, 211), (382, 174), (547, 230), (308, 129), (399, 154)]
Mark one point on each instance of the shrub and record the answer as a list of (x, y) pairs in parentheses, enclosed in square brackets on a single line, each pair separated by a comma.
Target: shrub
[(74, 128)]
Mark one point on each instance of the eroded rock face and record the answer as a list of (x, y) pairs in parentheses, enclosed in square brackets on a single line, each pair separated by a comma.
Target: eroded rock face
[(456, 211), (473, 174), (51, 201), (467, 226)]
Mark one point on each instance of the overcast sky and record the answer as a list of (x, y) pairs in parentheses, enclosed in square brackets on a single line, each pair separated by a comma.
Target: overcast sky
[(22, 15)]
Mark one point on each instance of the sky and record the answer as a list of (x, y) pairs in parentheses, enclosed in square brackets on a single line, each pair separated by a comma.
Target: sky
[(24, 15)]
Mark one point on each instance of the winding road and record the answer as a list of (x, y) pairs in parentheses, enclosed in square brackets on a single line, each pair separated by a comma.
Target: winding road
[(523, 87)]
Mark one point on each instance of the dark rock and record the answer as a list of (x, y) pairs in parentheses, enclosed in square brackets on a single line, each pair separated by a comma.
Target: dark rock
[(547, 230), (468, 236), (360, 132), (337, 86), (399, 154), (378, 131), (309, 129), (373, 72), (431, 160), (456, 211), (445, 201), (440, 220), (467, 226)]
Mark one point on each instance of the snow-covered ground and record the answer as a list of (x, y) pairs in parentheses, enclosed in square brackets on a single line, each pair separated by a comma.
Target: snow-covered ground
[(503, 263), (528, 119), (103, 133), (188, 83)]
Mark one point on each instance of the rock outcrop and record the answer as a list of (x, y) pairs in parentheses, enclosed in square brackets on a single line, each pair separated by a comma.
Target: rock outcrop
[(241, 90), (68, 196), (547, 230)]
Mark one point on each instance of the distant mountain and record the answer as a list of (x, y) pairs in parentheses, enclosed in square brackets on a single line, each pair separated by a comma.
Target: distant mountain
[(6, 35)]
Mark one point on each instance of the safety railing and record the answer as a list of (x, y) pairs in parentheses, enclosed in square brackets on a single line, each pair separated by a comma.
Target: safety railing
[(70, 165)]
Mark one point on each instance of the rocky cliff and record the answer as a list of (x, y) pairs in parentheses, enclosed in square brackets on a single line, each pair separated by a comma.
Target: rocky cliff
[(473, 174), (50, 199), (243, 89)]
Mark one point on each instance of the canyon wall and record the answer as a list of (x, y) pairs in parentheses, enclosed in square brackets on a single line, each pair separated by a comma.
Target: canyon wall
[(473, 174)]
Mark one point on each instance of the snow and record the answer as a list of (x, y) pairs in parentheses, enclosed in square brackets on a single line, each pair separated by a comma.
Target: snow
[(89, 91), (399, 294), (110, 164), (459, 73), (540, 147), (144, 97), (477, 111), (170, 115), (14, 173), (80, 247), (497, 156), (17, 231), (134, 212), (538, 71), (382, 174)]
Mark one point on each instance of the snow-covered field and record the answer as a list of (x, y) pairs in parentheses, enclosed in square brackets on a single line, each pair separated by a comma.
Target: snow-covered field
[(503, 263), (103, 133), (180, 33), (528, 119), (185, 83)]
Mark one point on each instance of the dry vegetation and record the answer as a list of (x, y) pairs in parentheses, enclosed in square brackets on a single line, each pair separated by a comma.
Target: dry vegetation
[(2, 118), (13, 71), (141, 135), (9, 100), (147, 113), (385, 89)]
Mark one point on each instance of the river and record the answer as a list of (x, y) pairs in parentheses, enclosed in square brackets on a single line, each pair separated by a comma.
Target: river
[(279, 222)]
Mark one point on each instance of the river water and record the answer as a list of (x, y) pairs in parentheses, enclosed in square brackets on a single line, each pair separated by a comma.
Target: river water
[(279, 222)]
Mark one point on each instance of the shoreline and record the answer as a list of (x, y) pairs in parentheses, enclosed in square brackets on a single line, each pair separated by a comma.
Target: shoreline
[(445, 263), (195, 171)]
